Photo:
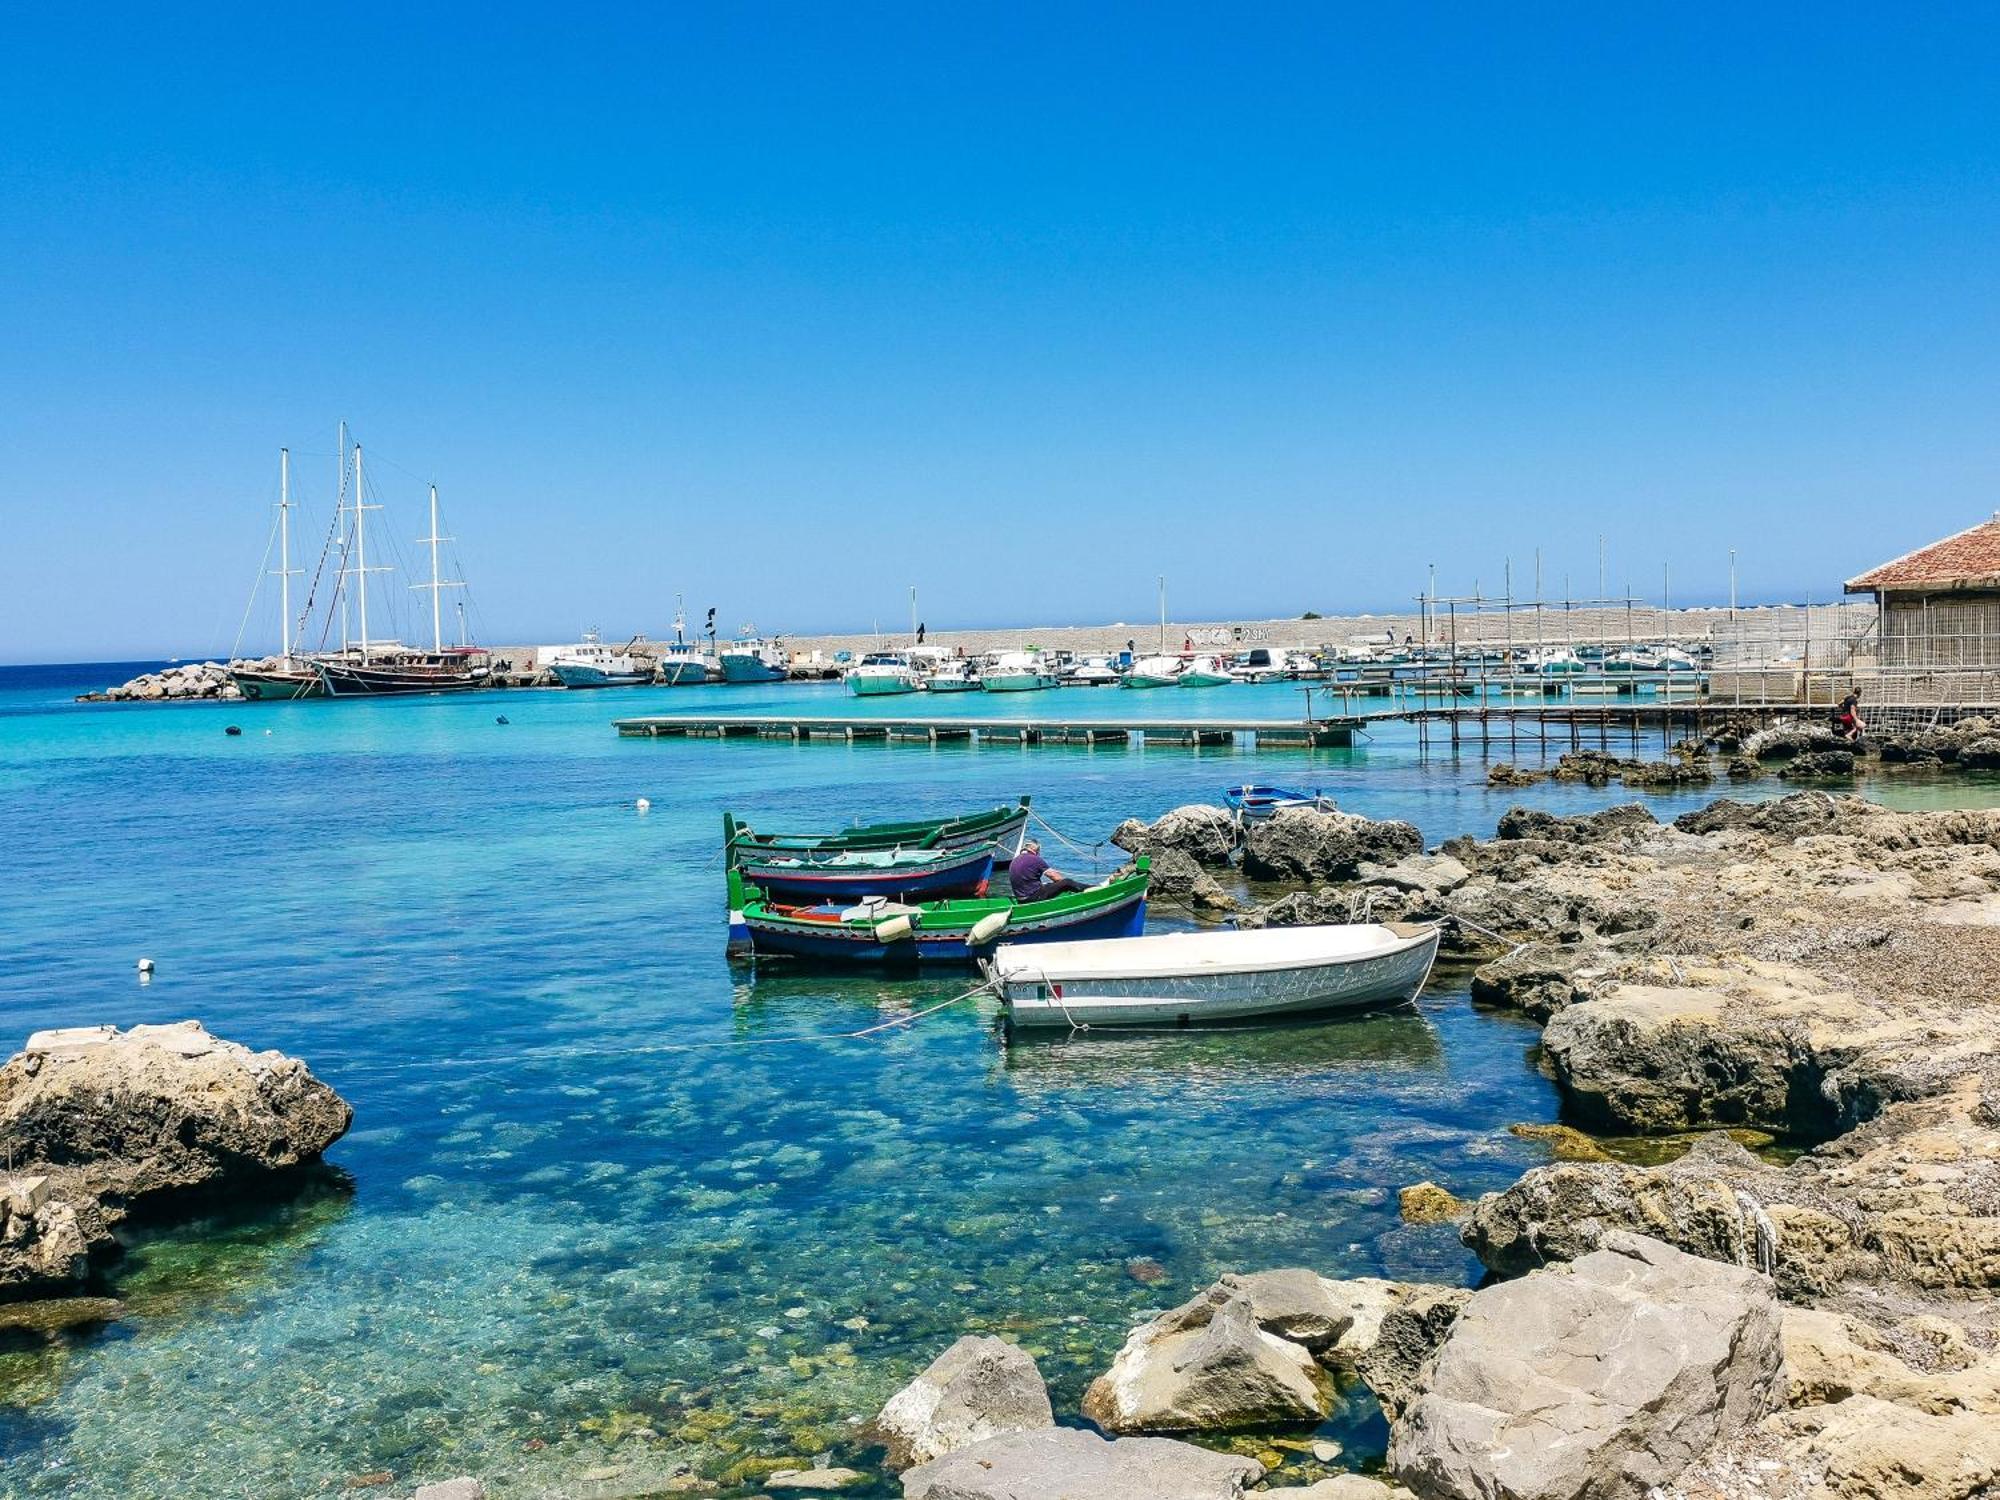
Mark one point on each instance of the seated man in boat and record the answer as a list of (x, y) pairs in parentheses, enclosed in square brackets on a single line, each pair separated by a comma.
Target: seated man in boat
[(1031, 878)]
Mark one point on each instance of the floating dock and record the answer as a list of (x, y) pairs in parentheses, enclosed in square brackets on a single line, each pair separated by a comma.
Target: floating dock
[(1299, 734)]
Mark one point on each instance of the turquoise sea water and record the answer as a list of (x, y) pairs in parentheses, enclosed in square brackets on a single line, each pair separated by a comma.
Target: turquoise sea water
[(557, 1252)]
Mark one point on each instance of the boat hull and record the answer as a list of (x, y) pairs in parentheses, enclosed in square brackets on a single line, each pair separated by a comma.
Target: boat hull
[(856, 944), (271, 687), (580, 676), (799, 880), (953, 685), (1375, 981), (1204, 679), (1145, 680), (1017, 682), (352, 681), (682, 672), (1002, 827), (880, 687), (750, 669)]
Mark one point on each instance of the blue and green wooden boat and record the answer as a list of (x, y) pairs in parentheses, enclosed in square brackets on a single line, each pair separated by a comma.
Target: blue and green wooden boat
[(1000, 827), (899, 935)]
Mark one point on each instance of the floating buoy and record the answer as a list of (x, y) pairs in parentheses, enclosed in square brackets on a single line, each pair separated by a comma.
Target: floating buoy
[(232, 729), (987, 928), (145, 966), (501, 720), (892, 931), (644, 804)]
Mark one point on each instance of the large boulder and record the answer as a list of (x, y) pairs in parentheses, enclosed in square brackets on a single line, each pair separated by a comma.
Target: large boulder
[(1295, 1304), (1416, 1322), (977, 1389), (1865, 1448), (1538, 978), (1305, 843), (1207, 1366), (1604, 1380), (1063, 1463), (1178, 878), (113, 1120), (1207, 835), (1585, 828)]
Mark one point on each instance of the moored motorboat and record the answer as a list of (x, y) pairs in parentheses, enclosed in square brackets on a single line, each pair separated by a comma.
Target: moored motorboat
[(907, 935), (1152, 672), (857, 874), (751, 660), (1002, 827), (1203, 671), (1254, 802), (1185, 978), (1091, 671), (882, 673), (1017, 672), (953, 676)]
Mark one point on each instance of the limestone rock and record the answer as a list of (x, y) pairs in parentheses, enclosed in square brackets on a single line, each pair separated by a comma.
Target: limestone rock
[(1868, 1449), (1178, 878), (1304, 843), (1063, 1463), (1538, 978), (1821, 764), (1426, 874), (451, 1489), (1601, 1381), (104, 1120), (1829, 1357), (1502, 773), (1206, 1367), (1413, 1326), (1345, 1487), (1294, 1304), (1207, 835), (978, 1388), (817, 1480)]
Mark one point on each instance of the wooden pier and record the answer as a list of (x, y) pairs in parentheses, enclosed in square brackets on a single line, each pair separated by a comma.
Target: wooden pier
[(1291, 734)]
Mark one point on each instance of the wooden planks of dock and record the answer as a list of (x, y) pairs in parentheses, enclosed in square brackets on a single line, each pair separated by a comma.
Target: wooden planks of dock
[(1193, 733)]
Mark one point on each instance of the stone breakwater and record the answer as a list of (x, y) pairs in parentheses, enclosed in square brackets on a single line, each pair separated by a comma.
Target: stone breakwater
[(190, 680), (97, 1124)]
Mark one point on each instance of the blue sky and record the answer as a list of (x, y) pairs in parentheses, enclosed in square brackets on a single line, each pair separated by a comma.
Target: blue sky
[(791, 307)]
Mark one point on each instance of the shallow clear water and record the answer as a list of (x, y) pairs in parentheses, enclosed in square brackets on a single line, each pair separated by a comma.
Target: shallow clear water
[(556, 1247)]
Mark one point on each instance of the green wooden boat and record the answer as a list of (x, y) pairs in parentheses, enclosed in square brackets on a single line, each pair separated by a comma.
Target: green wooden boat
[(1001, 826), (931, 932)]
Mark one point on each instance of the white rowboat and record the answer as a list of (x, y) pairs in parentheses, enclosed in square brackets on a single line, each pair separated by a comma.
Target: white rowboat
[(1184, 978)]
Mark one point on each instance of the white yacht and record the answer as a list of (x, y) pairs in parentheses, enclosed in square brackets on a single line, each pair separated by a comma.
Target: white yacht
[(1092, 671), (1153, 672), (1017, 672), (955, 675), (882, 673)]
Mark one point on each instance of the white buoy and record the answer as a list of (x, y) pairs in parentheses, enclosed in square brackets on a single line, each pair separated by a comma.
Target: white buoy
[(644, 804), (145, 966), (986, 929), (892, 931)]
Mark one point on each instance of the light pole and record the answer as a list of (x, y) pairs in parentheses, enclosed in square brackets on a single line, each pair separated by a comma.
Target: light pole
[(1732, 585)]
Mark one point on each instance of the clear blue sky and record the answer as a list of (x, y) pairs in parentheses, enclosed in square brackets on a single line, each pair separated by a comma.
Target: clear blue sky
[(791, 307)]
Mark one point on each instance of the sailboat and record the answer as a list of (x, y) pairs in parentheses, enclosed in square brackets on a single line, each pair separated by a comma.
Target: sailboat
[(377, 668), (289, 676)]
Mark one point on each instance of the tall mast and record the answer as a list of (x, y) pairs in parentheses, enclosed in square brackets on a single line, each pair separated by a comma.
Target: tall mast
[(438, 585), (285, 549), (361, 509), (913, 614), (1163, 614), (340, 527)]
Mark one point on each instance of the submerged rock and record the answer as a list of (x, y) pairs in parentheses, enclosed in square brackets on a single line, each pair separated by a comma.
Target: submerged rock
[(978, 1388), (1603, 1380), (1064, 1463), (105, 1121), (1207, 1366), (1427, 1203), (462, 1488)]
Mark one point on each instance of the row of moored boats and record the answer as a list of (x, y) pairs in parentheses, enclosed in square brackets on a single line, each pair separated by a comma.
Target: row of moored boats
[(920, 895)]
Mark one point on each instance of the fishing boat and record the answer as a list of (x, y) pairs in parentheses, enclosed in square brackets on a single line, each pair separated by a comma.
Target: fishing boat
[(749, 659), (1186, 978), (592, 664), (953, 676), (1203, 671), (1002, 827), (881, 674), (899, 934), (1017, 672), (682, 662), (857, 874), (1255, 803), (1152, 672)]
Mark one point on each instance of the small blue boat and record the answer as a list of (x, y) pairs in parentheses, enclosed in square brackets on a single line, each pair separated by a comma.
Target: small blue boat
[(857, 874), (1255, 803)]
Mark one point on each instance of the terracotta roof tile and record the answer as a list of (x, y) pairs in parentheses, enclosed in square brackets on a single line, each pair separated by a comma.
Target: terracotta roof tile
[(1969, 559)]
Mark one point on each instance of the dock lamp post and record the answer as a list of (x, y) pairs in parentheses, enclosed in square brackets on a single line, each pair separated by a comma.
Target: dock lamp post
[(1732, 585)]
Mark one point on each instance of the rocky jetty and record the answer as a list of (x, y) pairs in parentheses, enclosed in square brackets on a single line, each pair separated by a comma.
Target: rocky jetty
[(1821, 1323), (195, 679), (98, 1123)]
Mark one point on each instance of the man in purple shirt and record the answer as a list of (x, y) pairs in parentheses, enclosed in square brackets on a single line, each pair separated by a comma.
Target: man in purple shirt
[(1031, 879)]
